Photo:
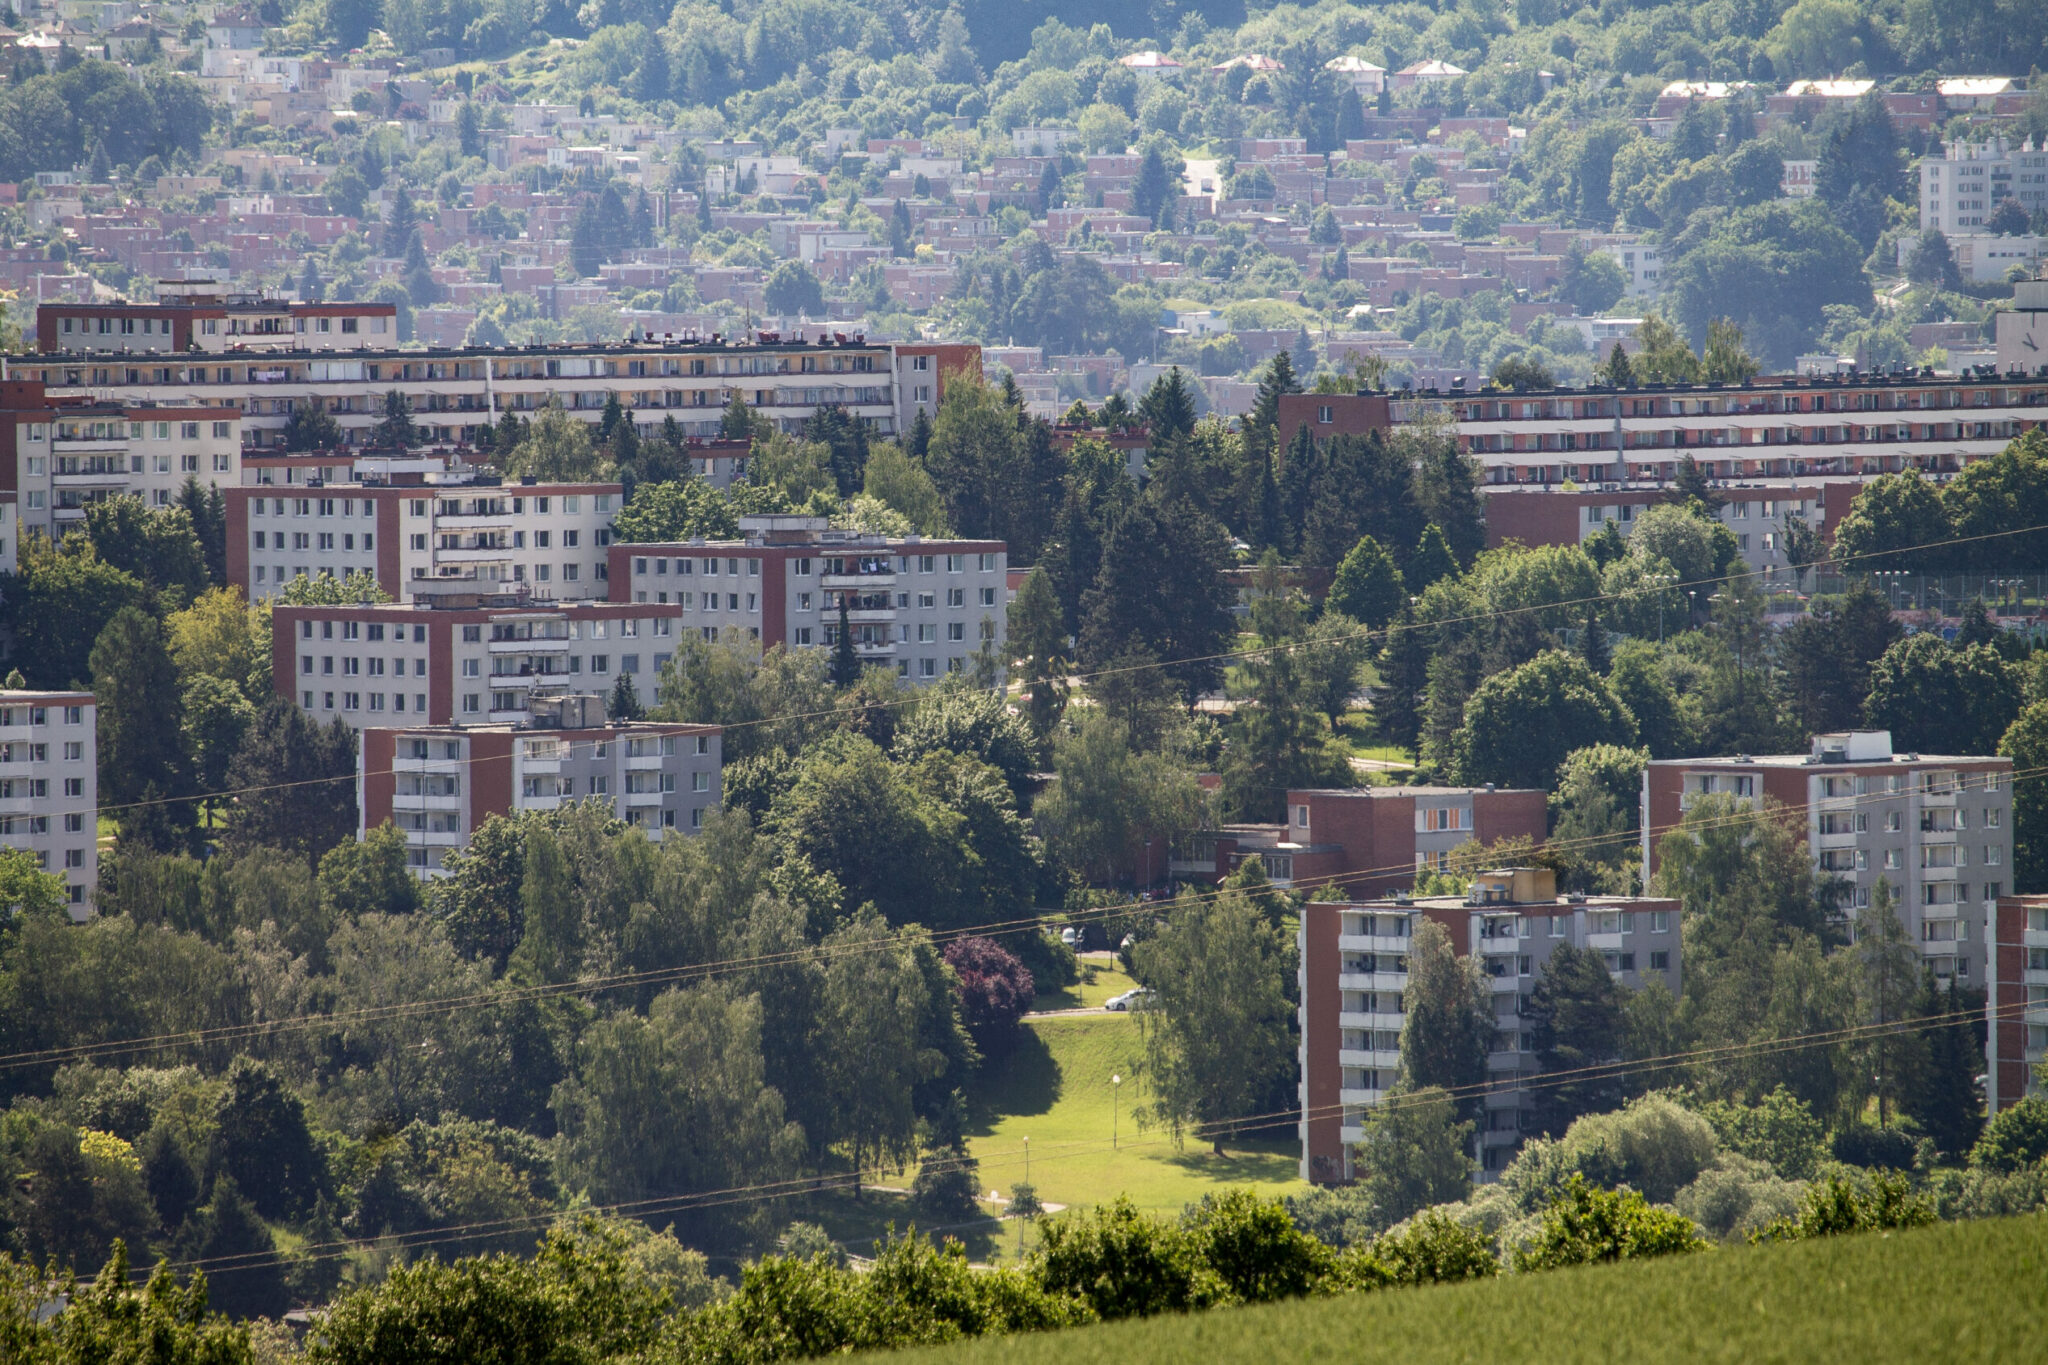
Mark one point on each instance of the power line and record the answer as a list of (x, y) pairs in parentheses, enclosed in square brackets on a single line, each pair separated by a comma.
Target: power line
[(757, 1192), (692, 972)]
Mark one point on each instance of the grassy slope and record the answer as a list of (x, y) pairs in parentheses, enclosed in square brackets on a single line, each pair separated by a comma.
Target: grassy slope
[(1055, 1090), (1959, 1292)]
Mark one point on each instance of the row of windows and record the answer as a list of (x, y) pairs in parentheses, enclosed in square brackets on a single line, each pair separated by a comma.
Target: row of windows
[(74, 752), (37, 788), (39, 715), (572, 505), (353, 701), (74, 823)]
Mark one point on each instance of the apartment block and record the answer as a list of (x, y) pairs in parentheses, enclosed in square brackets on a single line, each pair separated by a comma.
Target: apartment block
[(203, 316), (2016, 1000), (438, 783), (1964, 185), (1937, 828), (927, 607), (49, 786), (421, 527), (454, 390), (58, 456), (921, 372), (1354, 973), (1369, 840), (1773, 427), (449, 658)]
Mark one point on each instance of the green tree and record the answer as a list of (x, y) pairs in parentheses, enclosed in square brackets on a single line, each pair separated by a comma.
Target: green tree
[(1887, 984), (901, 482), (1942, 1097), (1161, 588), (395, 430), (1520, 725), (262, 1142), (674, 511), (1367, 587), (158, 545), (1993, 501), (1168, 408), (1415, 1153), (145, 775), (556, 448), (1432, 561), (1448, 1028), (368, 876), (111, 1319), (793, 290), (1038, 643), (227, 1228), (1111, 803), (294, 784), (1217, 1032), (1262, 434), (1824, 658), (1940, 699), (1275, 741), (1897, 521), (1575, 1023)]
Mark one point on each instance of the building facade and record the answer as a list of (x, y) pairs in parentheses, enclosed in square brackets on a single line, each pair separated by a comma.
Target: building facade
[(206, 317), (438, 783), (462, 659), (1369, 841), (59, 456), (420, 527), (925, 607), (454, 391), (2016, 1001), (2021, 331), (1937, 829), (49, 787), (1963, 186), (1354, 973)]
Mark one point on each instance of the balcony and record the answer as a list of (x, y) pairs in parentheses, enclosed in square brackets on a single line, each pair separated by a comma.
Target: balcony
[(537, 645), (643, 763), (1372, 981), (1374, 1058), (871, 615), (475, 554), (540, 767), (1373, 943), (645, 798), (1360, 1096), (424, 801), (857, 580)]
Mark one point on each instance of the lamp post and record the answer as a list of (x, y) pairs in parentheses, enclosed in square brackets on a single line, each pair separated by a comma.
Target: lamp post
[(1115, 1094), (1027, 1161)]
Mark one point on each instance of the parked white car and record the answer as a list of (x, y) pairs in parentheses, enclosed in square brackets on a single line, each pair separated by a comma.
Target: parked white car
[(1130, 1000)]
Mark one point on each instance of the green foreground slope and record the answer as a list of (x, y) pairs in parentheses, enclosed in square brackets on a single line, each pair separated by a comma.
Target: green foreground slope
[(1957, 1292)]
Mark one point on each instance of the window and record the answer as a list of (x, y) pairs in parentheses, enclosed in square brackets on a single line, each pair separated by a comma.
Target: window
[(1660, 962)]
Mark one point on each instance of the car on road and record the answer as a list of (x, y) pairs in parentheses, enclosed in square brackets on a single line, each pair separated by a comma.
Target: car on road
[(1130, 1000)]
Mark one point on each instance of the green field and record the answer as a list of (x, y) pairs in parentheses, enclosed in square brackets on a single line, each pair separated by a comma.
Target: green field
[(1055, 1090), (1109, 980), (1958, 1292)]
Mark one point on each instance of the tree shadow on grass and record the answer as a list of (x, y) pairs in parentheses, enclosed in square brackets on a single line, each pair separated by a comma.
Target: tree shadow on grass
[(1024, 1080), (1240, 1164)]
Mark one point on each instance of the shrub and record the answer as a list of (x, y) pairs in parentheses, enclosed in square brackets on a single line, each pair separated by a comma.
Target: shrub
[(1122, 1264), (1837, 1206), (995, 990), (1254, 1248), (1780, 1129), (1436, 1249), (1654, 1145), (1585, 1224), (1737, 1195), (1874, 1148), (2014, 1140)]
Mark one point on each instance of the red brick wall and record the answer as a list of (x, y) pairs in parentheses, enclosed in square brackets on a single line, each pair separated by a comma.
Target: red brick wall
[(378, 783), (490, 775), (1351, 414), (1508, 814)]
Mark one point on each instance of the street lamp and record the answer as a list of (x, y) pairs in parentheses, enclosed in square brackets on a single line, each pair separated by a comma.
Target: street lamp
[(1027, 1161), (1116, 1092)]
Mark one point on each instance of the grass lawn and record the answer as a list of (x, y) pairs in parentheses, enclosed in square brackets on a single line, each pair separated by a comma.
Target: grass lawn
[(1055, 1089), (1959, 1292), (1109, 980)]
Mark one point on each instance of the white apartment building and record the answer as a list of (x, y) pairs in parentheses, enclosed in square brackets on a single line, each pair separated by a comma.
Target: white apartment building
[(1642, 262), (49, 786), (1937, 828), (454, 391), (2022, 330), (462, 659), (927, 607), (1354, 972), (438, 783), (1960, 188), (420, 528), (68, 455), (204, 316)]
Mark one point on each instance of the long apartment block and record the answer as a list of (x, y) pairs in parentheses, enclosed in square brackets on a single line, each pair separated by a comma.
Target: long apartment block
[(422, 526), (49, 786), (1936, 828), (453, 391), (1354, 974), (1773, 427), (463, 659), (60, 454), (439, 783), (923, 607)]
